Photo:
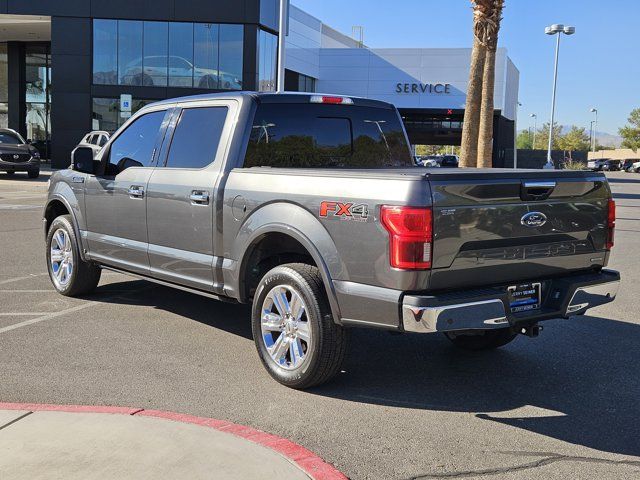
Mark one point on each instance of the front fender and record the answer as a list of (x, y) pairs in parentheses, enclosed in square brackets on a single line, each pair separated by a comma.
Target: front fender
[(61, 191), (292, 220)]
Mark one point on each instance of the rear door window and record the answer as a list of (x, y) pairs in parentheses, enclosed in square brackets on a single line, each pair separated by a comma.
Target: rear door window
[(326, 136), (196, 137)]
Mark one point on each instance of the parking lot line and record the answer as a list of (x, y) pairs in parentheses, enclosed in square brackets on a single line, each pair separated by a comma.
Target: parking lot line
[(17, 279), (48, 316), (23, 314)]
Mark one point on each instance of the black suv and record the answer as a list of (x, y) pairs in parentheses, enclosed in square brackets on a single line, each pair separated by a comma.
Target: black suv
[(16, 155)]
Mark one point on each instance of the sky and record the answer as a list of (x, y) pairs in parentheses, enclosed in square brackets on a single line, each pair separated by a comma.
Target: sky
[(599, 65)]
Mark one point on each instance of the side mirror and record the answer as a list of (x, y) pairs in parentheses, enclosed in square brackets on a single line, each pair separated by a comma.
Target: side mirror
[(82, 160)]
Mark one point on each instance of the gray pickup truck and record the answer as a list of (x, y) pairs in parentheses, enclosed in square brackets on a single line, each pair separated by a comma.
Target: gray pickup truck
[(311, 208)]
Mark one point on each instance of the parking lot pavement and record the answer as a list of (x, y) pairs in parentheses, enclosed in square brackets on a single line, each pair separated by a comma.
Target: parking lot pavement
[(564, 405)]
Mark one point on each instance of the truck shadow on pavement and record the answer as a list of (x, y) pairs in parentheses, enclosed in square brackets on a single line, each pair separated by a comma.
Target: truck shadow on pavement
[(580, 375), (578, 382)]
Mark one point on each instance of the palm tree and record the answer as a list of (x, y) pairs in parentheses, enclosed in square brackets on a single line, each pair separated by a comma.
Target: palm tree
[(485, 135), (485, 30)]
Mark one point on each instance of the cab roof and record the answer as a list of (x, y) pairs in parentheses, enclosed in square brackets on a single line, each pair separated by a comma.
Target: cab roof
[(271, 97)]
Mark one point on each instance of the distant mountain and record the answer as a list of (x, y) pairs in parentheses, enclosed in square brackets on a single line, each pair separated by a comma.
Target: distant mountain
[(604, 138)]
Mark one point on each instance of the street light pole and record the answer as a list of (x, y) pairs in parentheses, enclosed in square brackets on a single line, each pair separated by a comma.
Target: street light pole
[(535, 129), (594, 125), (555, 29)]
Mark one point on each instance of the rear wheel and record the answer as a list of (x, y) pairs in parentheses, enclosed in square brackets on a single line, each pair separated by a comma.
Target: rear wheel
[(482, 340), (297, 340), (70, 275)]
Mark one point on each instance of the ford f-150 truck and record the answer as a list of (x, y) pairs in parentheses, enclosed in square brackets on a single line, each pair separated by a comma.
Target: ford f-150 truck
[(311, 208)]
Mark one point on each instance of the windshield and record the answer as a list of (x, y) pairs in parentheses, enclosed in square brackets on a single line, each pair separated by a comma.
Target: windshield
[(10, 138), (327, 136)]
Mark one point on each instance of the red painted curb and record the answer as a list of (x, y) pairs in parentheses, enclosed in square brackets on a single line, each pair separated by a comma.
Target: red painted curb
[(305, 459)]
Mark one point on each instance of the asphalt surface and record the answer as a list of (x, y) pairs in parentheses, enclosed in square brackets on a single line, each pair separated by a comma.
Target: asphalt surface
[(564, 405)]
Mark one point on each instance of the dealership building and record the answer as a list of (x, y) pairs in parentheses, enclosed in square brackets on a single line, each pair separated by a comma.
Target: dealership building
[(65, 65)]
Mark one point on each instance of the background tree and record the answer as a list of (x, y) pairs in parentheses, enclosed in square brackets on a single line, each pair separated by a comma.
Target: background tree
[(485, 134), (524, 141), (542, 136), (631, 133), (576, 139), (471, 125)]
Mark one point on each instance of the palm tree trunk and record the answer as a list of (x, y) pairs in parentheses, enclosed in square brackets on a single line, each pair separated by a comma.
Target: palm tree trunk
[(490, 29), (470, 127), (485, 134)]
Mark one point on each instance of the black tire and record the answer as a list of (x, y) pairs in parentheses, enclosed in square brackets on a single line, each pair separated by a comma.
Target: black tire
[(84, 276), (34, 173), (10, 174), (487, 340), (324, 357)]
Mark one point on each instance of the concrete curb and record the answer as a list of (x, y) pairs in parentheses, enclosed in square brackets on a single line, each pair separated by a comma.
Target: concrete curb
[(305, 459)]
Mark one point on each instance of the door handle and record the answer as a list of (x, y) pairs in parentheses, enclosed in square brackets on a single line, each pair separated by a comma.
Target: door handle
[(136, 191), (199, 198)]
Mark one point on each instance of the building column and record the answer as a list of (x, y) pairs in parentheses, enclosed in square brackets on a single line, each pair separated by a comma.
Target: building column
[(71, 78), (250, 58), (17, 87)]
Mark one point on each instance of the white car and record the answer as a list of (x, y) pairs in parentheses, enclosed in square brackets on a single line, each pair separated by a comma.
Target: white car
[(430, 161), (635, 167)]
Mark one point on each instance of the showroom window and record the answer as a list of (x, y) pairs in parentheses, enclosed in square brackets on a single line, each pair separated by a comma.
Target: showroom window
[(267, 61), (177, 54), (106, 113)]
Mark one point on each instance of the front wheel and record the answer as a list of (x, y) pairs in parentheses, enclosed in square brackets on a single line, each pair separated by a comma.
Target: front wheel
[(70, 275), (482, 340), (297, 340), (34, 173)]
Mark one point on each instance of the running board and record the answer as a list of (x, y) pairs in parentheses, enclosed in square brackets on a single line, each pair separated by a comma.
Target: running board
[(171, 285)]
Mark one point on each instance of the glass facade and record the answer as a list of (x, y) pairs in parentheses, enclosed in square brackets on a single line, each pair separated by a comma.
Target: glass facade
[(106, 114), (38, 96), (267, 61), (176, 54)]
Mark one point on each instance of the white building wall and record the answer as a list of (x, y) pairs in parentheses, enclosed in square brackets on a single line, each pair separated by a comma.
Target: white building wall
[(303, 43), (341, 67)]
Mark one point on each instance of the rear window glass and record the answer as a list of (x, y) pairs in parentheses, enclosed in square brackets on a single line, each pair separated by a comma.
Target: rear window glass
[(326, 136)]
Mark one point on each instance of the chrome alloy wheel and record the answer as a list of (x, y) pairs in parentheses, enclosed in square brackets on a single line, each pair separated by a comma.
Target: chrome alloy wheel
[(61, 258), (285, 327)]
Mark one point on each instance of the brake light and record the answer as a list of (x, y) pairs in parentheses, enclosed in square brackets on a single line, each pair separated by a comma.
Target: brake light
[(611, 223), (410, 234), (332, 100)]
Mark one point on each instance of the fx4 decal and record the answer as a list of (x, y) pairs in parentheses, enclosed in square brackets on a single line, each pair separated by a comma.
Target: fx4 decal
[(344, 211)]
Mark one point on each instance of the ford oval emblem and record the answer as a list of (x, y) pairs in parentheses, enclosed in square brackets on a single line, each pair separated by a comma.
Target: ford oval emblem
[(534, 219)]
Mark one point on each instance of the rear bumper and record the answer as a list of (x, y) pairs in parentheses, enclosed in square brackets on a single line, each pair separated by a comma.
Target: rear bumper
[(489, 308)]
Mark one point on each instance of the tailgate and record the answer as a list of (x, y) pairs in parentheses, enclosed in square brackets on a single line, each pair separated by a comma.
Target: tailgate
[(496, 228)]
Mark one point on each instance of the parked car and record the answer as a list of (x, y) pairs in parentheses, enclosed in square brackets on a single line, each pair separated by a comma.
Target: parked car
[(627, 165), (449, 161), (430, 161), (17, 154), (596, 165), (310, 208), (94, 140), (635, 167), (611, 166)]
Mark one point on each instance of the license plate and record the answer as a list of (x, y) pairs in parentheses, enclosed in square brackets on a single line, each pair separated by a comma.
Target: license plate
[(524, 297)]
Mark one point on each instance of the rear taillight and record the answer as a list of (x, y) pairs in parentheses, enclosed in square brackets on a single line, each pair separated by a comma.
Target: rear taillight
[(611, 223), (410, 234)]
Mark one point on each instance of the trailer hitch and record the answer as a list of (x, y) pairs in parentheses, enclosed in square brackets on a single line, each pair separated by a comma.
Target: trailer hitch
[(531, 331)]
